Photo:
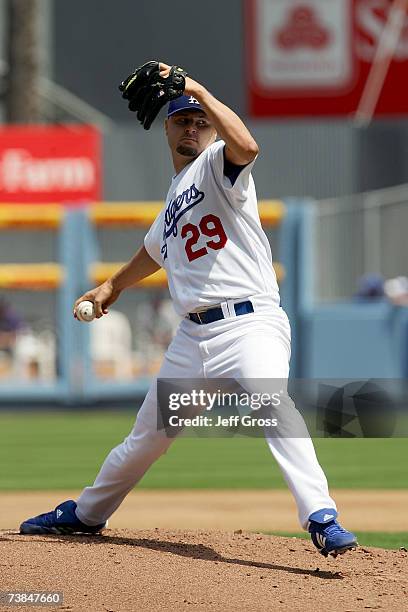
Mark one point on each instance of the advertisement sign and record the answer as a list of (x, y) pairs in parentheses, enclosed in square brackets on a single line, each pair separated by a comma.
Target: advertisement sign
[(42, 164), (313, 57)]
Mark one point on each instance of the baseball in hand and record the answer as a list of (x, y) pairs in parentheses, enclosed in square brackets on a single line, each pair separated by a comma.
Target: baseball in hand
[(85, 311)]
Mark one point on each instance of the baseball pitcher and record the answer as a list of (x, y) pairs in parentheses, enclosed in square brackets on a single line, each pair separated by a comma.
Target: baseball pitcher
[(209, 239)]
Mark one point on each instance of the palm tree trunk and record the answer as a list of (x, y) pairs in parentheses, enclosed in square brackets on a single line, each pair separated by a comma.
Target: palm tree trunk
[(22, 99)]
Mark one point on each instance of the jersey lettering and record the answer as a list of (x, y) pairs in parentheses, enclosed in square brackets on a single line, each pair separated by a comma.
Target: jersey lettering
[(174, 211), (191, 196)]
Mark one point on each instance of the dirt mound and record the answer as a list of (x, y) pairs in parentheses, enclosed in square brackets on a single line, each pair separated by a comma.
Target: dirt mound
[(162, 570)]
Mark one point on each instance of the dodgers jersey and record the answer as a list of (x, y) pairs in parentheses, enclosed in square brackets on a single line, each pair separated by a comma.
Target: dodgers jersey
[(209, 237)]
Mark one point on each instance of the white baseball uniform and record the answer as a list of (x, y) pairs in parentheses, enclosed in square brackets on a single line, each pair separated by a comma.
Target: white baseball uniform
[(209, 239)]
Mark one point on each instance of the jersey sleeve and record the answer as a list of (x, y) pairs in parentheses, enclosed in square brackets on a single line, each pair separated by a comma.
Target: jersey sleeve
[(236, 190), (152, 241)]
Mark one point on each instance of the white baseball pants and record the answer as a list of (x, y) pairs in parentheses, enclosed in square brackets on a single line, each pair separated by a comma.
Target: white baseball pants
[(255, 345)]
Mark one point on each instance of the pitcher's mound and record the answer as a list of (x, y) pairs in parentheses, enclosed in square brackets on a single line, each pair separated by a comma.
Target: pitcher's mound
[(184, 570)]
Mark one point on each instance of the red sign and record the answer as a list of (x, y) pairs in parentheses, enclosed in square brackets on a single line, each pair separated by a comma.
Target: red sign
[(50, 164), (313, 57)]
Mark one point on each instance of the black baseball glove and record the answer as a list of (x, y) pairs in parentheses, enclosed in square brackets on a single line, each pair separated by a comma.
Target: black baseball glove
[(147, 91)]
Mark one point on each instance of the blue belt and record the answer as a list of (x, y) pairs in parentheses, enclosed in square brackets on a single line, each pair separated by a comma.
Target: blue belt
[(215, 314)]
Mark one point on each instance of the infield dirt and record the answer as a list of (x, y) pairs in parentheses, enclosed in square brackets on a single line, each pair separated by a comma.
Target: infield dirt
[(159, 570), (252, 510)]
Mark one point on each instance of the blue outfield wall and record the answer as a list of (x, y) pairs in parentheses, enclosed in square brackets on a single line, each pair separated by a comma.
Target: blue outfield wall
[(354, 340), (357, 340)]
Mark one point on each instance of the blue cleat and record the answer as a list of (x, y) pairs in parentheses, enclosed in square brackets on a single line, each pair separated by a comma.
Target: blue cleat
[(327, 535), (61, 521)]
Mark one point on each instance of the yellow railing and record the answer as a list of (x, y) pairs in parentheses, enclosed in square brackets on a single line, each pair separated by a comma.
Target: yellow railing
[(31, 216), (125, 213), (144, 213), (50, 216), (40, 276)]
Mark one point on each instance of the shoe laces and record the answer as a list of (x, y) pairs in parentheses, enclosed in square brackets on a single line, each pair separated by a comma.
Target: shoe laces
[(334, 528)]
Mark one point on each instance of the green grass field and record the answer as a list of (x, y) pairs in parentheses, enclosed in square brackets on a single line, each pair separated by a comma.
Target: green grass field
[(64, 450), (365, 538)]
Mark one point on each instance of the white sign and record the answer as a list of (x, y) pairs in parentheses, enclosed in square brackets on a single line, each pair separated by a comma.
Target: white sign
[(19, 171), (303, 44)]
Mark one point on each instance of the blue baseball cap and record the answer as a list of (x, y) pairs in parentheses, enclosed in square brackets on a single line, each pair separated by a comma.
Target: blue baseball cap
[(183, 103), (370, 286)]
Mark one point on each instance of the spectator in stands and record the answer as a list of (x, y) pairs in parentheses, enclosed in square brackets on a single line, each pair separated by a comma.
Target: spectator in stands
[(396, 290), (375, 287), (370, 287), (10, 324)]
